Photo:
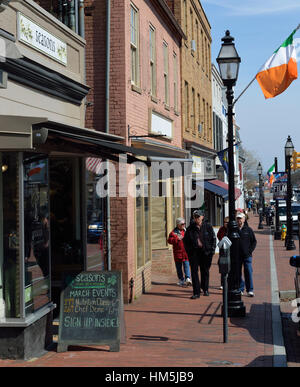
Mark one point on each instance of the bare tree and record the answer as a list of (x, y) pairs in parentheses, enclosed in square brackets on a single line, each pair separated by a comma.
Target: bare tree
[(250, 167)]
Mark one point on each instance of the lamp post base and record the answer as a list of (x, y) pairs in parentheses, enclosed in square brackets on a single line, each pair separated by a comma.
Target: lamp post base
[(290, 245), (236, 307)]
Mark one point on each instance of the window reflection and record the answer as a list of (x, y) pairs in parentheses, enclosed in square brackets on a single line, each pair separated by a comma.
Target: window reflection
[(36, 232), (95, 215), (11, 257)]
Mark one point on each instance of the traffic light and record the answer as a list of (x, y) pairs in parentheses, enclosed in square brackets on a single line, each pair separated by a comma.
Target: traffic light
[(295, 161)]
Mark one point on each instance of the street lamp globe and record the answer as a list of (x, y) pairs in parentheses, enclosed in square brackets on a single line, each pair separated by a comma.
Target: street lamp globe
[(289, 147), (259, 169), (228, 60)]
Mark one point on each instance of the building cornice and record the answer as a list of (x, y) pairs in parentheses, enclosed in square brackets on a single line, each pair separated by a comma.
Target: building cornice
[(200, 149), (38, 77), (165, 11)]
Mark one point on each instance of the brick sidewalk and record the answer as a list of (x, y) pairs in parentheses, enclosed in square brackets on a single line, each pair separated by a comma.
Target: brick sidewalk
[(165, 328)]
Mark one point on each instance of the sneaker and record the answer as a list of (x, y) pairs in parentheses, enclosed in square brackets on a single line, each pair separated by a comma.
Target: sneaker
[(221, 287), (250, 294), (188, 281), (181, 283), (242, 293)]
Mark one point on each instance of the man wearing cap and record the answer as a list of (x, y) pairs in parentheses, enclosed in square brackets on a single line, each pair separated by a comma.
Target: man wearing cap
[(200, 244), (247, 244)]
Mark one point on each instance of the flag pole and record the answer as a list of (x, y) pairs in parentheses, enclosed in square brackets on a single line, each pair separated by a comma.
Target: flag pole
[(235, 101)]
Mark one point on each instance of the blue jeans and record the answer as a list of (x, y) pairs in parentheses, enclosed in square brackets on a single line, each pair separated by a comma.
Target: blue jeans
[(247, 263), (186, 268)]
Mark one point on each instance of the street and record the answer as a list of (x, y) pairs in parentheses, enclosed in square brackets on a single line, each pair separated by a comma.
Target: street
[(165, 328)]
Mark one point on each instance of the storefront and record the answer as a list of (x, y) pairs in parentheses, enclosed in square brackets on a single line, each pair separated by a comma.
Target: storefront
[(157, 209), (52, 213)]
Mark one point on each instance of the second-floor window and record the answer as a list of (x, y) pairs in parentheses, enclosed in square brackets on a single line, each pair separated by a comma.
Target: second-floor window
[(186, 105), (166, 72), (175, 82), (152, 60), (134, 44)]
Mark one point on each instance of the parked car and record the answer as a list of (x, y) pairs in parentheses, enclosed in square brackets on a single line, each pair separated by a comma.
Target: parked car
[(295, 262), (94, 231), (282, 215)]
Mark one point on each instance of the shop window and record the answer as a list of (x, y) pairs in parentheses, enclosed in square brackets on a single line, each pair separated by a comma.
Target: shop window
[(142, 220), (67, 250), (10, 263), (95, 211), (159, 217), (36, 232), (176, 199)]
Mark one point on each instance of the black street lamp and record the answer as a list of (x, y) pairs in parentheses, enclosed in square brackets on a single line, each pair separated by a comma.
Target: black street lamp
[(229, 61), (288, 150), (260, 210), (277, 233)]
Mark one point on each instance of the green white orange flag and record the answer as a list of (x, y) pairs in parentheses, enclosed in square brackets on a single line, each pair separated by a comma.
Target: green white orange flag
[(270, 174), (280, 69)]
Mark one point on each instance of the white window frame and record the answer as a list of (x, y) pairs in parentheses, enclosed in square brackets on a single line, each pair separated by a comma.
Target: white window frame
[(134, 45), (152, 39), (166, 73)]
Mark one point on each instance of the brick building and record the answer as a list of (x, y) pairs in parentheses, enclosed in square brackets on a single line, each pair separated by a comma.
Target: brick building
[(135, 93), (196, 91)]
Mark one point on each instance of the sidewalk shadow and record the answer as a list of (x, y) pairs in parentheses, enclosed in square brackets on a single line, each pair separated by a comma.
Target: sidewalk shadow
[(262, 361), (258, 322)]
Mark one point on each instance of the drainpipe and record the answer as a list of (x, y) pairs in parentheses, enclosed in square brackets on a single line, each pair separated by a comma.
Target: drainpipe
[(81, 18), (108, 9)]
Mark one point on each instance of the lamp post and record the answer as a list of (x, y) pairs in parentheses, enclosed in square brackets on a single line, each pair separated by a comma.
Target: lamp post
[(229, 61), (260, 210), (277, 234), (288, 150)]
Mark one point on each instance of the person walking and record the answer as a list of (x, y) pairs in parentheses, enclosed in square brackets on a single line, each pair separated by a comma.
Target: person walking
[(200, 244), (223, 231), (180, 256), (247, 244)]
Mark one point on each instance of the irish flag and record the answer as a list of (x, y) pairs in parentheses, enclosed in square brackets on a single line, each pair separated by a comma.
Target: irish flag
[(270, 173), (280, 70)]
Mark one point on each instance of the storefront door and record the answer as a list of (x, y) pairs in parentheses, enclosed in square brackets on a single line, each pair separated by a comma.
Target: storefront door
[(67, 255)]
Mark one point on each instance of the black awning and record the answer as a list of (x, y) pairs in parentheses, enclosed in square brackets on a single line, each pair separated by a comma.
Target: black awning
[(88, 141)]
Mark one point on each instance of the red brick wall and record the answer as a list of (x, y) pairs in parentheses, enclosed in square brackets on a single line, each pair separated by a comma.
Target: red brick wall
[(95, 35), (163, 262)]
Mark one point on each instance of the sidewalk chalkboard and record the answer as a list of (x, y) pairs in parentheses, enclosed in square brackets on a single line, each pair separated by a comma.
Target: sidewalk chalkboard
[(91, 310)]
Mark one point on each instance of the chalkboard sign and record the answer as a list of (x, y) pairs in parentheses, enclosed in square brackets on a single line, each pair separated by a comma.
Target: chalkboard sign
[(91, 310)]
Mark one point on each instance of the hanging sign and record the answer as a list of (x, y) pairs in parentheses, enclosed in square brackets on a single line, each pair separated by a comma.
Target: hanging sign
[(280, 186), (40, 39)]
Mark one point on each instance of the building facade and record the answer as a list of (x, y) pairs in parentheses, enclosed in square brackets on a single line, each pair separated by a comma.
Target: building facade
[(144, 108), (196, 94), (47, 176)]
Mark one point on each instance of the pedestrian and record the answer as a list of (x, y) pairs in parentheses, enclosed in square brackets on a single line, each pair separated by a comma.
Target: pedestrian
[(223, 231), (200, 244), (180, 256), (247, 244)]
